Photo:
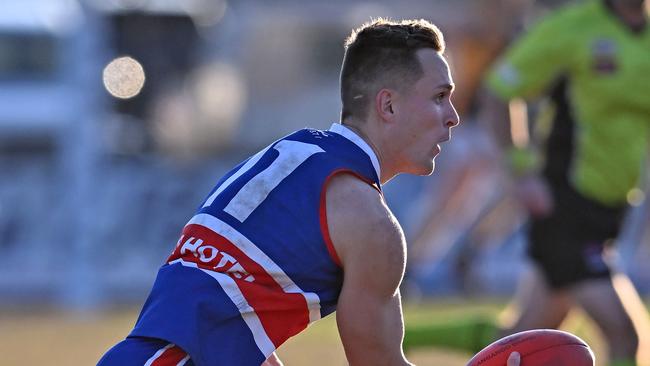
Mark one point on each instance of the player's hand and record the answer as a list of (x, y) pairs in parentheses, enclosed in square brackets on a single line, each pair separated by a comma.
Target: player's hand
[(535, 195), (514, 359)]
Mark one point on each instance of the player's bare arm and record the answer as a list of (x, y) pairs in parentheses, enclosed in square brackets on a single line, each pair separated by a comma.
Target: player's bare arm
[(273, 360), (495, 115), (371, 246), (510, 131)]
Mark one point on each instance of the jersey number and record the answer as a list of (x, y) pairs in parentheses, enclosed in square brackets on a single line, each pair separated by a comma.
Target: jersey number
[(290, 155)]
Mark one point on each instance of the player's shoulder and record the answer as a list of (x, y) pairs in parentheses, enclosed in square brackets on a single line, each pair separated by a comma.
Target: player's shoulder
[(353, 193), (358, 217)]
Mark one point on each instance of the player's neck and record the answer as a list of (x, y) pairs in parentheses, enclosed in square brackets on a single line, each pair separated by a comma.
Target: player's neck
[(367, 137)]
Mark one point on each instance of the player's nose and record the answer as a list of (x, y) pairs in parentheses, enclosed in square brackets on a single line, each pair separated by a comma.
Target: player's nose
[(453, 120)]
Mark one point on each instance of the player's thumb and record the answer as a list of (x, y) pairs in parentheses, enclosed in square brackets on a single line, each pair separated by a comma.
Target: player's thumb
[(514, 359)]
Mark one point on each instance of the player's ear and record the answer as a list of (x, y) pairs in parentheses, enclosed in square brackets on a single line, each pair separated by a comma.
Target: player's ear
[(384, 104)]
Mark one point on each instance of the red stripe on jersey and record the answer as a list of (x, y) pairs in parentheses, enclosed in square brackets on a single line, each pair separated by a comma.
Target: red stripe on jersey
[(170, 357), (323, 211), (282, 314)]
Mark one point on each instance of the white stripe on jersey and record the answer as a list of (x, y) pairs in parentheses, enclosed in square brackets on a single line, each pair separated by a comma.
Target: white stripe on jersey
[(249, 164), (158, 354), (257, 255), (183, 361), (291, 154), (247, 312)]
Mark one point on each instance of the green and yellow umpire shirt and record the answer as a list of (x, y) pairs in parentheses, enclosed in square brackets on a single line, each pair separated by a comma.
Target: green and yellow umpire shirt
[(608, 71)]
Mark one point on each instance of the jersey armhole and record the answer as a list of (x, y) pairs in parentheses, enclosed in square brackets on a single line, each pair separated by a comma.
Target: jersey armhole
[(322, 212)]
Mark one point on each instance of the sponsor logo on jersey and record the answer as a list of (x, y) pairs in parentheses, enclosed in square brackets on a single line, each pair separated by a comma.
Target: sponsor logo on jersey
[(207, 256)]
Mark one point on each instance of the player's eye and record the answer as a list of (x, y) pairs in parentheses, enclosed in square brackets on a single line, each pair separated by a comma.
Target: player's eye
[(440, 97)]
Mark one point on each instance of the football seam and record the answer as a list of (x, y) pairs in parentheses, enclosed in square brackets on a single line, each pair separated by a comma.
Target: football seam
[(553, 346)]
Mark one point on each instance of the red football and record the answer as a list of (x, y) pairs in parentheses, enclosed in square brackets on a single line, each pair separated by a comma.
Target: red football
[(539, 347)]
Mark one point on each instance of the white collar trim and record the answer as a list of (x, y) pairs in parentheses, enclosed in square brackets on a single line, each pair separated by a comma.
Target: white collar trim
[(357, 140)]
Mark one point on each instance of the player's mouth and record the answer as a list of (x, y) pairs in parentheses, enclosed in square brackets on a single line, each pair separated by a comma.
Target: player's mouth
[(436, 150)]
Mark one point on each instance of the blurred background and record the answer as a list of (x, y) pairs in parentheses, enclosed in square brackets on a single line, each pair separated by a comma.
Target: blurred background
[(117, 118)]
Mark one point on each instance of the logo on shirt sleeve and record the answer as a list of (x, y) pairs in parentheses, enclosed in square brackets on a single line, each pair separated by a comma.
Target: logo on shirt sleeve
[(604, 60)]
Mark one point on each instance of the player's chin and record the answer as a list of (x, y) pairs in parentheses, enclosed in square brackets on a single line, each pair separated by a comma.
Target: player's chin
[(426, 168)]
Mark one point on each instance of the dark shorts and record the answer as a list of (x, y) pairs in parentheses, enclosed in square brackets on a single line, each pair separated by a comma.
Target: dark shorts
[(569, 244), (142, 351)]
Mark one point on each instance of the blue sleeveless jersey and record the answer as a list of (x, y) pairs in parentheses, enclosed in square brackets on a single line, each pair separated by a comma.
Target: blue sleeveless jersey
[(255, 264)]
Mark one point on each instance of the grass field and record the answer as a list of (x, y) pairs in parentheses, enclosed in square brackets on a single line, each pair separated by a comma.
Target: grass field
[(29, 337)]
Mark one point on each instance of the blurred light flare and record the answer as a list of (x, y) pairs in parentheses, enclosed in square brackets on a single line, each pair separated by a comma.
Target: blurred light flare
[(123, 77), (206, 13), (219, 91), (203, 115), (635, 197)]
